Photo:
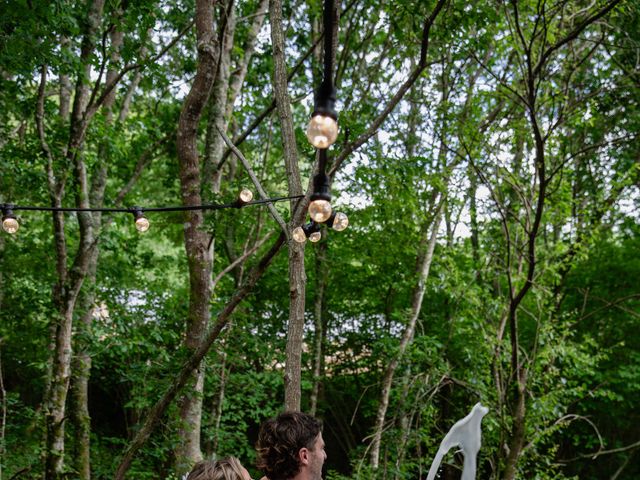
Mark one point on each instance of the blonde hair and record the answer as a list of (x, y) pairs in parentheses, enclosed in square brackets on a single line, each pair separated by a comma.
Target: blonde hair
[(224, 469)]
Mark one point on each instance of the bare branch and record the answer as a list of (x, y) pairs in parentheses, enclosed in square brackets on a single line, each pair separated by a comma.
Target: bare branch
[(613, 304), (276, 216), (358, 142), (267, 111), (573, 35), (566, 419), (41, 130), (601, 452), (92, 108), (240, 260)]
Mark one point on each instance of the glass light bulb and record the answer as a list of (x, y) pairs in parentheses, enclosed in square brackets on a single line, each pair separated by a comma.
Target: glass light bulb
[(320, 210), (298, 235), (322, 131), (10, 225), (246, 195), (142, 224), (340, 222), (315, 237)]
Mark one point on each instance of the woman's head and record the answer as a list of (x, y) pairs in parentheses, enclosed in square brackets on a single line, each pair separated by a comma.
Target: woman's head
[(224, 469)]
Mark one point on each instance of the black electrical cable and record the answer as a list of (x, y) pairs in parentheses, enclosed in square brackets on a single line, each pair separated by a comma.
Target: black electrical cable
[(322, 160), (211, 206), (328, 26)]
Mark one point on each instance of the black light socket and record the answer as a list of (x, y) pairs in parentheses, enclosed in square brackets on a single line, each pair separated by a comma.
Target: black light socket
[(310, 228), (321, 189), (325, 101)]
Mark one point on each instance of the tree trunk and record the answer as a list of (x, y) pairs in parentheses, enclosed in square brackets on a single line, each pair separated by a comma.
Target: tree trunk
[(217, 410), (423, 264), (65, 87), (319, 321), (517, 440), (1, 269), (473, 222), (411, 142), (427, 246), (196, 239), (3, 404), (295, 330), (80, 395), (55, 406), (82, 361), (212, 175), (69, 283), (237, 79), (297, 276)]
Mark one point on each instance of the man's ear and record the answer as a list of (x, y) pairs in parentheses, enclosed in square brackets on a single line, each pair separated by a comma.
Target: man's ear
[(303, 455)]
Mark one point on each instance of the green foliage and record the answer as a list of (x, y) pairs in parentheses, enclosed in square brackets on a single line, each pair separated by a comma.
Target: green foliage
[(461, 131)]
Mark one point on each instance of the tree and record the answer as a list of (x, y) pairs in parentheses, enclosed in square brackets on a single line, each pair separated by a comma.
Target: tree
[(494, 148)]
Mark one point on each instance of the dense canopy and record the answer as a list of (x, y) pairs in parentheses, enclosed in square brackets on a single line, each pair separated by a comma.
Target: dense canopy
[(487, 159)]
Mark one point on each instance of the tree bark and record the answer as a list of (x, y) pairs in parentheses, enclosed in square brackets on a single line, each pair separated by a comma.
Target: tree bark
[(411, 142), (81, 367), (425, 258), (218, 118), (297, 276), (195, 237), (131, 89), (217, 410), (3, 402), (319, 318), (65, 87), (69, 283), (237, 79)]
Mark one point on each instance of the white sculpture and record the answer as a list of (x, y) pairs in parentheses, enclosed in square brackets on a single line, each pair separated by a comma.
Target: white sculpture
[(465, 434)]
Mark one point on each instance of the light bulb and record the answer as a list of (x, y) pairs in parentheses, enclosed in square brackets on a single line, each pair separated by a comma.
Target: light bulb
[(315, 237), (142, 224), (340, 222), (246, 195), (10, 224), (320, 210), (322, 131), (299, 235)]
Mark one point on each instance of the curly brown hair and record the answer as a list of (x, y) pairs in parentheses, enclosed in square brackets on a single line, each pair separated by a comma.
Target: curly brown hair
[(281, 439)]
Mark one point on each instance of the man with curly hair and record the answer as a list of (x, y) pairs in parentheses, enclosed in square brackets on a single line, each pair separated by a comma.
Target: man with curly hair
[(290, 447)]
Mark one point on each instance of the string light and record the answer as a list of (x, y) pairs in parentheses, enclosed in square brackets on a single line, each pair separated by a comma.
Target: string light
[(320, 206), (315, 237), (245, 196), (299, 235), (142, 223), (10, 223), (338, 221), (311, 231), (319, 210), (322, 131)]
